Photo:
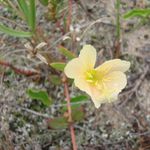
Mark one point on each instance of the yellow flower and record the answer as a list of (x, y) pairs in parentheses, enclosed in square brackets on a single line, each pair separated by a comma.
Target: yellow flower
[(102, 83)]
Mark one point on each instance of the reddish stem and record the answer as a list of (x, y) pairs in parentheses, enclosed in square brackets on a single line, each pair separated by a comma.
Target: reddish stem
[(18, 70), (70, 114), (117, 48)]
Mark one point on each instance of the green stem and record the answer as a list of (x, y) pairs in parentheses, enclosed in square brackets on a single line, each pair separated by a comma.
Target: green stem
[(118, 20), (118, 31)]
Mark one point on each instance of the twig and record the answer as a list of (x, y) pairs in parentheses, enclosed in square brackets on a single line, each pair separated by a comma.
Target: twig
[(69, 113), (34, 112), (104, 20), (141, 134), (18, 70), (11, 21), (25, 109), (57, 41)]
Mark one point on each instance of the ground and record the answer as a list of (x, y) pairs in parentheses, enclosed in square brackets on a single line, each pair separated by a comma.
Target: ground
[(123, 125)]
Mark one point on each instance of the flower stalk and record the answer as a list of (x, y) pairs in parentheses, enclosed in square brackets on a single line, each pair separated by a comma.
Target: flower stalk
[(66, 90)]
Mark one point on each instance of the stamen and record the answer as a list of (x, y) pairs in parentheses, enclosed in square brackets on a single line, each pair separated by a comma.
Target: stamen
[(91, 77)]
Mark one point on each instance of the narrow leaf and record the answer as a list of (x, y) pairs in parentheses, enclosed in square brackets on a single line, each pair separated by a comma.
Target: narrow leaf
[(58, 66), (75, 102), (66, 52), (44, 2), (32, 15), (137, 13), (79, 98), (24, 7), (40, 95), (13, 32)]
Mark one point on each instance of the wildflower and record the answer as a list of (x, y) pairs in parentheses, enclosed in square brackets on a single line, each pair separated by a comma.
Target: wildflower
[(102, 83)]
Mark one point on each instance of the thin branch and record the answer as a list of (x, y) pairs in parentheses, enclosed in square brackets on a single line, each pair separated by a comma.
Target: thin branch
[(18, 70), (25, 109), (34, 112), (104, 20)]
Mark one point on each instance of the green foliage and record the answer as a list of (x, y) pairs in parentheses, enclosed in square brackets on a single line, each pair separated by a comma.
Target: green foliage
[(77, 114), (54, 7), (28, 8), (13, 32), (142, 13), (40, 95), (58, 66), (80, 98), (56, 80), (66, 52), (77, 101), (56, 3), (62, 122), (44, 2), (32, 15), (58, 123), (118, 19), (23, 6)]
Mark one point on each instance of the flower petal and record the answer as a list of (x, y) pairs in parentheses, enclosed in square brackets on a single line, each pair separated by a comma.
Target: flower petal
[(82, 84), (97, 103), (74, 68), (88, 56), (114, 65), (113, 83), (94, 93)]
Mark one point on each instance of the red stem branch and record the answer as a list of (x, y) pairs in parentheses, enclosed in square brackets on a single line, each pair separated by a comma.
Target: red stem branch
[(70, 114), (18, 70)]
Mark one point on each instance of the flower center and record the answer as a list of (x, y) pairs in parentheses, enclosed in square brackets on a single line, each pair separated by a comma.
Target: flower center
[(92, 77)]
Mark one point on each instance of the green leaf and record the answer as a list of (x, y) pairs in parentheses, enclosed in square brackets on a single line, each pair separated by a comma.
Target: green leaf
[(24, 7), (13, 32), (29, 10), (78, 114), (66, 52), (79, 98), (76, 102), (44, 2), (137, 13), (32, 15), (58, 66), (58, 123), (40, 95)]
